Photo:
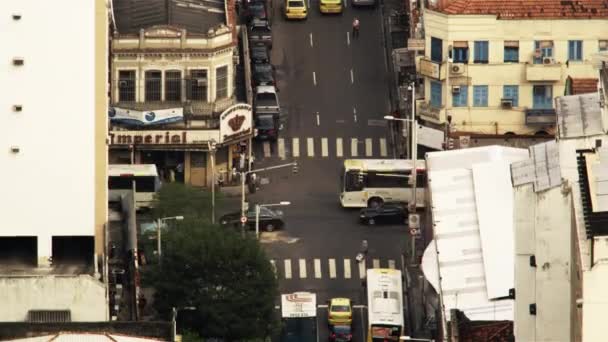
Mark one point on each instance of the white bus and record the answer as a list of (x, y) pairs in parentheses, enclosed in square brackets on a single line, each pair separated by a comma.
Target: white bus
[(385, 305), (370, 182), (299, 317), (120, 181)]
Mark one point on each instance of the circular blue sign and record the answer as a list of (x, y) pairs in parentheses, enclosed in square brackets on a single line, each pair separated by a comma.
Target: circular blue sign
[(150, 116)]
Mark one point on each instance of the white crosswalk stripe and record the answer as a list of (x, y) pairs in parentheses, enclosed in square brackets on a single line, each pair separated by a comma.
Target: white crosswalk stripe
[(353, 147), (332, 268), (281, 145), (273, 264), (310, 147), (287, 263), (266, 149), (383, 151), (391, 264), (318, 268), (362, 269), (346, 268), (339, 148), (376, 263), (324, 147), (302, 268), (368, 147), (296, 147)]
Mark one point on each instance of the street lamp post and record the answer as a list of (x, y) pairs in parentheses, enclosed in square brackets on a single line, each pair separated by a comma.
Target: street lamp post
[(212, 150), (257, 214), (159, 224)]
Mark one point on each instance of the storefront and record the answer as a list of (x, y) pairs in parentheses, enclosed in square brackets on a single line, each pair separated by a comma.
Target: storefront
[(185, 155)]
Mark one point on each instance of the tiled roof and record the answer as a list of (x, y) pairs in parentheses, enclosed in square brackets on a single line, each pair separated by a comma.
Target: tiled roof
[(531, 9), (584, 85)]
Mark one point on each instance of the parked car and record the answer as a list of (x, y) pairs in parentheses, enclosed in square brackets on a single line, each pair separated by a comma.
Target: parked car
[(384, 214), (259, 54), (263, 74), (339, 312), (260, 32), (295, 9), (267, 112), (256, 10), (267, 126), (340, 333), (270, 220)]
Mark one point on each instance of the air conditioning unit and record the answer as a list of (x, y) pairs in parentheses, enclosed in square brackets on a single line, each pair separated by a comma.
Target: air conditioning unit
[(548, 60), (122, 84), (455, 90), (201, 82), (506, 103), (457, 69)]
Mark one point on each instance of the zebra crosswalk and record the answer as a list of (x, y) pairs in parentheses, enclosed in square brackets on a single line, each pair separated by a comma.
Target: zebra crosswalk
[(325, 148), (328, 268)]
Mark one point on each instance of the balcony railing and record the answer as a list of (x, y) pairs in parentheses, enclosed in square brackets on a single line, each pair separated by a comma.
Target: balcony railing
[(540, 116)]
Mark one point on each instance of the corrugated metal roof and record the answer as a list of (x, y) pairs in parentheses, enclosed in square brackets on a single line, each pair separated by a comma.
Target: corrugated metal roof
[(542, 168), (578, 115)]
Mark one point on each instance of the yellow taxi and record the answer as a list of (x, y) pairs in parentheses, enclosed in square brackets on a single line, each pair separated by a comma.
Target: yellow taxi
[(330, 6), (295, 9), (340, 311)]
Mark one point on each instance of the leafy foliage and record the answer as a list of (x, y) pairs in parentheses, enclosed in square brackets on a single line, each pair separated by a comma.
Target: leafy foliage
[(176, 199)]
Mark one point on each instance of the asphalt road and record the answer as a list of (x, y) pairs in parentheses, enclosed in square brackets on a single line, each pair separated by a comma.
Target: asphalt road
[(334, 94)]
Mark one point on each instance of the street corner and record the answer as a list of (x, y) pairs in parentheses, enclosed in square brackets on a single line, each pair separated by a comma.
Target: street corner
[(280, 236)]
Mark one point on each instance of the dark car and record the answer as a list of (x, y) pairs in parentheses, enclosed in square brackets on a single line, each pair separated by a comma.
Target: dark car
[(340, 333), (267, 126), (384, 214), (256, 10), (263, 74), (270, 220), (259, 54), (260, 33)]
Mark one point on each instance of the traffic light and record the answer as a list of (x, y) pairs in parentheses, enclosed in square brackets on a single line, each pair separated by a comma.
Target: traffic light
[(295, 168)]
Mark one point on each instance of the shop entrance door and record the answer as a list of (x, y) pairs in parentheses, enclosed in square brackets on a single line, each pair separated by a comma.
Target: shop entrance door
[(198, 168)]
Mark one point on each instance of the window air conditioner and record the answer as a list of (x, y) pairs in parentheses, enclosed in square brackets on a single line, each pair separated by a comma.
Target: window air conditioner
[(457, 68), (548, 60), (506, 103), (455, 90)]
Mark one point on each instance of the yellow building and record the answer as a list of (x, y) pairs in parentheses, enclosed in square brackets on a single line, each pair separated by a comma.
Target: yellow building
[(495, 67)]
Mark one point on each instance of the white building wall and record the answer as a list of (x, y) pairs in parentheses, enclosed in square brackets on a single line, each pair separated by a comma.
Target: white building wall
[(48, 187)]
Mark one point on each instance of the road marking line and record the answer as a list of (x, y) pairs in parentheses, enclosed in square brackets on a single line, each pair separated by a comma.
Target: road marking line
[(302, 268), (314, 78), (324, 147), (310, 147), (266, 149), (339, 149), (346, 268), (376, 263), (332, 268), (347, 38), (353, 147), (355, 113), (311, 44), (359, 306), (322, 306), (352, 76), (345, 4), (368, 147), (362, 269), (383, 151), (318, 268), (391, 264), (318, 120), (281, 144), (287, 263), (296, 147), (273, 264)]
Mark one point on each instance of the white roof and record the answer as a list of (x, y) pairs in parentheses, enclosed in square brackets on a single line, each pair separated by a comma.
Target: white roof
[(578, 115), (116, 170), (472, 209), (382, 164), (384, 310)]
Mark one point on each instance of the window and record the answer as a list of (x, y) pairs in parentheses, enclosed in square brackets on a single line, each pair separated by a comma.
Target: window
[(603, 45), (436, 50), (153, 85), (511, 92), (173, 86), (126, 85), (435, 94), (480, 96), (575, 50), (542, 96), (197, 87), (460, 96), (460, 52), (542, 49), (481, 52), (221, 82), (511, 51)]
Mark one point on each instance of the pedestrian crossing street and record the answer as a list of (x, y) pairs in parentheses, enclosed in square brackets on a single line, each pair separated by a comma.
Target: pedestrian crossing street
[(329, 268), (325, 148)]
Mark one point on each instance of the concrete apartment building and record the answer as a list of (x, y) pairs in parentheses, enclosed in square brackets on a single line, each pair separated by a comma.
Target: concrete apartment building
[(173, 67), (495, 67), (54, 160)]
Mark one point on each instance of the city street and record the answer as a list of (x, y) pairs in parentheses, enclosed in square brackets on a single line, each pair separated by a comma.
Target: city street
[(334, 94)]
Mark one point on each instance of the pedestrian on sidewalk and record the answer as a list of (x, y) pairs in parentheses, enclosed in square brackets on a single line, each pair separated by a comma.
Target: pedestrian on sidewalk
[(356, 28)]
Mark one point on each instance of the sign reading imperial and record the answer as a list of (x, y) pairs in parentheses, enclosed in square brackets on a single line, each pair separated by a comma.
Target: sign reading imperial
[(162, 137), (235, 122)]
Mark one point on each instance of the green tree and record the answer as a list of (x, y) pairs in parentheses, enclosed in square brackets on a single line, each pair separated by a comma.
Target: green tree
[(227, 277), (175, 199)]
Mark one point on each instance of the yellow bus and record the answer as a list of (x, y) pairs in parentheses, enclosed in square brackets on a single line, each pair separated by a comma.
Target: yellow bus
[(330, 6), (385, 305)]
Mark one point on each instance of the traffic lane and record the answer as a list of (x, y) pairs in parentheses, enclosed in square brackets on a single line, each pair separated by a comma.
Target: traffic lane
[(359, 325)]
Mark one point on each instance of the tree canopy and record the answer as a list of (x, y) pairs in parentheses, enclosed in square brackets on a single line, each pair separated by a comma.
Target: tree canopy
[(225, 276)]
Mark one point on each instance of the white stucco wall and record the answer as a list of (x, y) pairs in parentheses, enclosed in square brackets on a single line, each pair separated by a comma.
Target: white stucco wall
[(83, 295), (48, 187)]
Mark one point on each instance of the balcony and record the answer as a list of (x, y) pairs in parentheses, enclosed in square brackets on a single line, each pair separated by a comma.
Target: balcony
[(429, 112), (540, 117), (550, 71)]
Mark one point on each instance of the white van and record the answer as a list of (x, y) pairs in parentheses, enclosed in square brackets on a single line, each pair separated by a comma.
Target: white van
[(120, 181)]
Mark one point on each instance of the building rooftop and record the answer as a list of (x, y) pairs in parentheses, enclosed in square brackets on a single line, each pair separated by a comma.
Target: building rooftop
[(579, 116), (531, 9), (196, 16)]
